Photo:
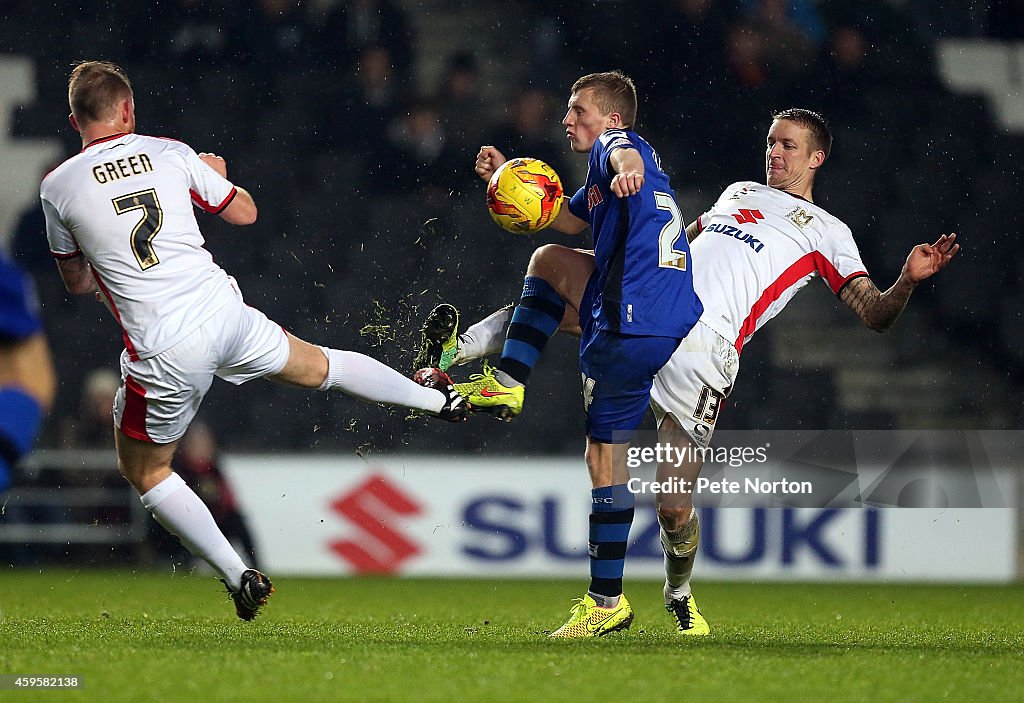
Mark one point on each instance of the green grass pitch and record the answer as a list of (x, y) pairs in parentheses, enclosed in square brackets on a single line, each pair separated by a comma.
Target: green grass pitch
[(166, 637)]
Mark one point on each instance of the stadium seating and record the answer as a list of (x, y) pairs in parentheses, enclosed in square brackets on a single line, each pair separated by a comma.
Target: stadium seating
[(331, 254)]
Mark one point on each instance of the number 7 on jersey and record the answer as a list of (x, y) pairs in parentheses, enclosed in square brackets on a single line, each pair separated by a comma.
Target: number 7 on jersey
[(147, 227)]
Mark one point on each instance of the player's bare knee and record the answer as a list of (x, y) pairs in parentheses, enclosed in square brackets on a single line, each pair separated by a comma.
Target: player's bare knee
[(307, 365), (672, 515), (547, 263)]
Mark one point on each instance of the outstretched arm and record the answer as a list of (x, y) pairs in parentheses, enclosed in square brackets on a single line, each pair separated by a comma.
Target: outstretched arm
[(880, 310), (489, 160), (242, 209), (629, 172)]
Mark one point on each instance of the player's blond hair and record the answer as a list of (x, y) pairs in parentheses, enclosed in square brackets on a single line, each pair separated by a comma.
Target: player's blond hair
[(95, 88), (613, 92), (821, 132)]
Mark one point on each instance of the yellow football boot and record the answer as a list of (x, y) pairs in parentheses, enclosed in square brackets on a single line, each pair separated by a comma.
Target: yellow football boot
[(486, 393), (687, 615), (589, 620)]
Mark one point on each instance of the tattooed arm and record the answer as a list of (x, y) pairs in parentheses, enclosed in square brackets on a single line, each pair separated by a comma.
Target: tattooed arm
[(77, 275), (879, 310), (692, 230)]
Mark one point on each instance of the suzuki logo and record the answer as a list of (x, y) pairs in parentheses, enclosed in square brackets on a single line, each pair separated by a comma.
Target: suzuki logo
[(369, 507), (748, 217)]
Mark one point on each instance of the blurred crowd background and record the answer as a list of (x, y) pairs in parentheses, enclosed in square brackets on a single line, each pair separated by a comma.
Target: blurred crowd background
[(355, 123)]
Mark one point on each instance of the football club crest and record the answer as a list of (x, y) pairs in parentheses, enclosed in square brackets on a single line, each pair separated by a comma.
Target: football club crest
[(800, 217)]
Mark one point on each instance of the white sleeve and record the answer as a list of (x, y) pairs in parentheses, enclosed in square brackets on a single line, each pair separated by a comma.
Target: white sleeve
[(62, 242), (703, 220), (840, 260), (209, 190)]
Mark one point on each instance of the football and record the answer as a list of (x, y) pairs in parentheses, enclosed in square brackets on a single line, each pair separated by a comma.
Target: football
[(524, 195), (432, 378)]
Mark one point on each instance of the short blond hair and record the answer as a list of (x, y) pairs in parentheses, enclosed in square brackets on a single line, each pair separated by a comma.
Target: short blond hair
[(613, 92), (95, 88)]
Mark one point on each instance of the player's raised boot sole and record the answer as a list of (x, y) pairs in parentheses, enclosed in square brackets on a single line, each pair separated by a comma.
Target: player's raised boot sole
[(439, 338)]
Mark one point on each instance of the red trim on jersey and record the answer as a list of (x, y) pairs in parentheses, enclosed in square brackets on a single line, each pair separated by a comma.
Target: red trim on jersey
[(227, 201), (61, 255), (104, 139), (213, 209), (834, 279), (129, 347), (804, 266), (133, 419)]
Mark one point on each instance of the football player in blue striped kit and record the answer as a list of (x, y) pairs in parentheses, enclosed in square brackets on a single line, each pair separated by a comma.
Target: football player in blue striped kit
[(28, 382), (635, 301)]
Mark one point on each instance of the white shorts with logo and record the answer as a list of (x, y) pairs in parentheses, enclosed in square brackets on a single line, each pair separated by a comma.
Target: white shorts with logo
[(159, 396), (695, 381)]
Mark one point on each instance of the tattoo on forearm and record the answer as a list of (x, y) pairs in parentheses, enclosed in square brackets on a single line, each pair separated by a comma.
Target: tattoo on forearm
[(878, 310), (77, 275)]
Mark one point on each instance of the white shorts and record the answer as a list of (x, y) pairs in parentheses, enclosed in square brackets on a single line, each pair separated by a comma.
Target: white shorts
[(695, 381), (159, 396)]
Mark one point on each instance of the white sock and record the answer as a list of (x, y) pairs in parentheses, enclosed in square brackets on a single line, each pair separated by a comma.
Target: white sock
[(182, 513), (485, 338), (603, 601), (366, 378), (506, 380), (677, 593)]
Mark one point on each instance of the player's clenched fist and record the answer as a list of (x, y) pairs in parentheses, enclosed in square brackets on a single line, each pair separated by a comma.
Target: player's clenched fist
[(217, 163), (488, 160), (628, 183)]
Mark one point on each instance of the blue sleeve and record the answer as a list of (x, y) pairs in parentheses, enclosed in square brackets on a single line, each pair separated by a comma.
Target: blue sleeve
[(578, 205), (19, 307), (604, 146)]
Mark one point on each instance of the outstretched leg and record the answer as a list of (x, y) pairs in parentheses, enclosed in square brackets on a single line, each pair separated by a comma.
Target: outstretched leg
[(365, 378), (555, 283)]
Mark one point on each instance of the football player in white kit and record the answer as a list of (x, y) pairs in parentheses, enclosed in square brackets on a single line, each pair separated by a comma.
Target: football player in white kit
[(757, 246), (120, 222)]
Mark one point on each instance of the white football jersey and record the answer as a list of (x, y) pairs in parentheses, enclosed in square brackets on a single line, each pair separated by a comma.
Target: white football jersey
[(758, 246), (126, 203)]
